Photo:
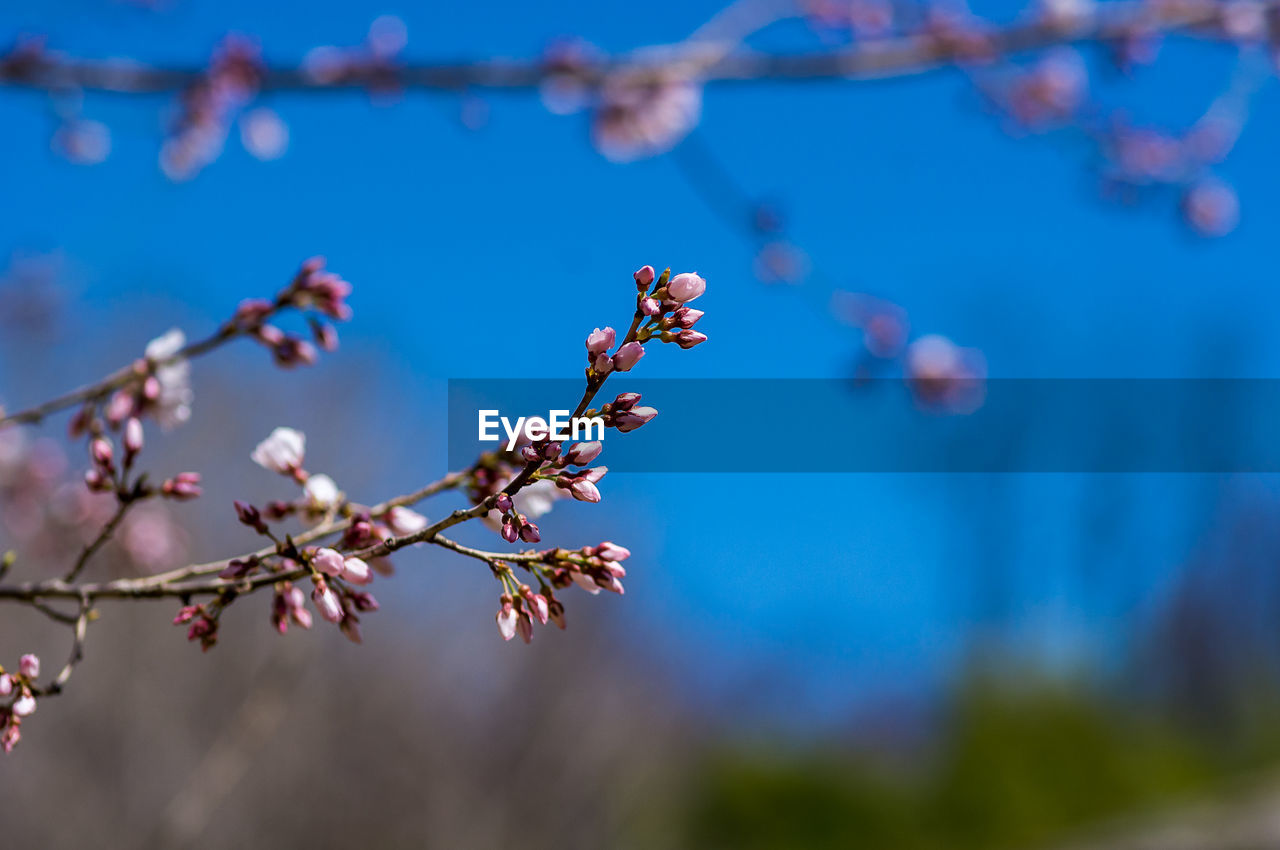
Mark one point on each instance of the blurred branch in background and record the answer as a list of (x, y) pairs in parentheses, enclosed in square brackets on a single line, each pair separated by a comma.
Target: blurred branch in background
[(648, 101), (644, 102)]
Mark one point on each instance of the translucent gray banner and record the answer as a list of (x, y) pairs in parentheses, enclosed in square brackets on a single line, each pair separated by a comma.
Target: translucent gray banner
[(800, 425)]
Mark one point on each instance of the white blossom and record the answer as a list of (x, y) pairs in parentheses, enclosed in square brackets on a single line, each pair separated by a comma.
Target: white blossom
[(282, 451), (173, 406), (321, 491)]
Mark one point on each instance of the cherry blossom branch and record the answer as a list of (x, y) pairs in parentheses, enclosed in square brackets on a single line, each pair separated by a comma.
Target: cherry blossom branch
[(311, 287), (500, 482)]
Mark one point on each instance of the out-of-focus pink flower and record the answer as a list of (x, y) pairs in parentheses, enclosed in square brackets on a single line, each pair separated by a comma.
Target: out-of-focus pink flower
[(585, 582), (686, 286), (403, 521), (944, 376), (628, 356), (6, 684), (326, 601), (172, 402), (356, 571), (321, 491), (327, 561), (24, 705), (82, 141), (1051, 91), (537, 499), (151, 538), (29, 666), (524, 627), (101, 452), (1066, 14), (645, 112), (282, 451), (1211, 208), (132, 437), (1245, 20), (264, 133), (611, 551), (184, 485)]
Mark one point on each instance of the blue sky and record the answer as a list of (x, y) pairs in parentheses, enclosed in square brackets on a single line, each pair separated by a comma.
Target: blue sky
[(845, 585)]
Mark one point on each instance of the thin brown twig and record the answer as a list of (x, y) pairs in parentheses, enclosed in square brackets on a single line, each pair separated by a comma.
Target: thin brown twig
[(80, 628), (123, 503), (118, 379)]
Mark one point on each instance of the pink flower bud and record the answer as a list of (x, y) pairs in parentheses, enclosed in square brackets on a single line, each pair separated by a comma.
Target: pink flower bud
[(364, 601), (184, 485), (6, 684), (630, 420), (132, 436), (356, 571), (325, 335), (686, 287), (524, 627), (327, 561), (120, 408), (687, 317), (612, 551), (583, 453), (529, 532), (96, 481), (270, 336), (537, 604), (595, 474), (253, 310), (24, 705), (28, 666), (599, 341), (503, 502), (584, 491), (688, 339), (185, 614), (327, 602), (644, 276), (629, 355), (603, 364), (509, 532), (650, 307), (585, 582), (101, 452), (250, 516), (625, 401), (555, 610)]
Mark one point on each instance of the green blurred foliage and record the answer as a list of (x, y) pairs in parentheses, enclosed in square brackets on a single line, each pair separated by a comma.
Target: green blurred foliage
[(1013, 768)]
